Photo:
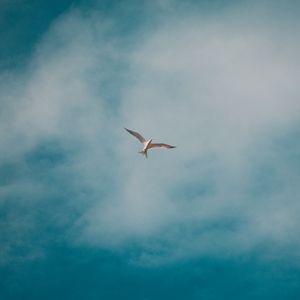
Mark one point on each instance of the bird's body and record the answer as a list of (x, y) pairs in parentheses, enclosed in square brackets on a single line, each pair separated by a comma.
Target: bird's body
[(148, 143)]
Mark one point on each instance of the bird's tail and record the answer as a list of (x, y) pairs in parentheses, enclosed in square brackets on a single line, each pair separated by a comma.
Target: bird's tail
[(144, 153)]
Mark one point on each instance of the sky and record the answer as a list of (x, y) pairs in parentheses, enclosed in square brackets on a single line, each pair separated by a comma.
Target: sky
[(83, 215)]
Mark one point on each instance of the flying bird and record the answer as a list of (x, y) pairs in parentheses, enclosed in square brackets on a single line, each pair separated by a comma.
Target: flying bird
[(148, 143)]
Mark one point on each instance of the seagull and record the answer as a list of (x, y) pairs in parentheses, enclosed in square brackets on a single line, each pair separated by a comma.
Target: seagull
[(148, 143)]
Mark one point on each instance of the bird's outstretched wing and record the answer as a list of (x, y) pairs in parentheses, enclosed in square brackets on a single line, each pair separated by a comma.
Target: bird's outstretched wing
[(137, 135), (160, 145)]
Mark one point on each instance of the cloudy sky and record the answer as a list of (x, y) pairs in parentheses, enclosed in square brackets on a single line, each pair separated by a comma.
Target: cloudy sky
[(83, 216)]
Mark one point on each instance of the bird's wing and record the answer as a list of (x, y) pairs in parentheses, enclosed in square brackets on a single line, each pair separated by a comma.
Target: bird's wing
[(137, 135), (160, 145)]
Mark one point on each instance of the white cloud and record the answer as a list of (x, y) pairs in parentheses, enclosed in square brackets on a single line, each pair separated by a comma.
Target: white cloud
[(223, 94), (218, 89)]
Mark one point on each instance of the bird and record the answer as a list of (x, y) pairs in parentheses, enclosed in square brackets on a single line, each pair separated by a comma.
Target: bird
[(148, 143)]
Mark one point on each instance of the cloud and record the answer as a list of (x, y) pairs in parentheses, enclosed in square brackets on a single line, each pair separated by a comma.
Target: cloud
[(226, 95), (52, 125), (218, 87)]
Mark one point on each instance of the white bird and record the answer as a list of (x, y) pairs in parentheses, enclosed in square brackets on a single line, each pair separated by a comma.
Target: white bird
[(148, 143)]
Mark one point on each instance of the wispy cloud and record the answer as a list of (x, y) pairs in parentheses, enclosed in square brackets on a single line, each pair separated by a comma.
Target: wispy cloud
[(223, 87)]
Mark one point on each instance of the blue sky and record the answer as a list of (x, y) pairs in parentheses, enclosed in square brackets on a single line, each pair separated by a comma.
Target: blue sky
[(83, 216)]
